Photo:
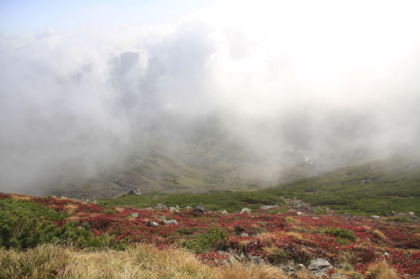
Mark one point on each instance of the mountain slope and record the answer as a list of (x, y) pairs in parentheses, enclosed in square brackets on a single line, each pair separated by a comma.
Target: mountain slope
[(377, 187)]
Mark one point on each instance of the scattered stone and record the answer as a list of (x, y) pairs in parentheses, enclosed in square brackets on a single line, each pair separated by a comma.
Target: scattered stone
[(245, 210), (244, 235), (135, 214), (256, 259), (161, 206), (319, 267), (188, 207), (300, 266), (299, 213), (152, 224), (394, 213), (200, 208), (171, 222), (224, 212), (173, 209), (375, 217), (315, 218), (135, 192), (411, 213), (268, 207), (288, 268), (366, 181)]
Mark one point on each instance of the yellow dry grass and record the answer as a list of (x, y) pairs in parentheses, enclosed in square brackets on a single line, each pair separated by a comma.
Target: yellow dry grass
[(379, 235), (381, 271), (239, 271), (145, 261), (20, 197), (70, 208)]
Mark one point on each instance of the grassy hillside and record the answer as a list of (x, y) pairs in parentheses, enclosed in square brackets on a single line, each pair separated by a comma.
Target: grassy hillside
[(373, 188), (378, 188)]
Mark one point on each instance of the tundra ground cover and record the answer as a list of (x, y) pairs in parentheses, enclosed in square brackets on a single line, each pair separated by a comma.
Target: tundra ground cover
[(352, 244)]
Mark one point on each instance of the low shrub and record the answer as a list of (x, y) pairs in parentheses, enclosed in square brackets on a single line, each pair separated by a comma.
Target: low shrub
[(340, 233), (215, 238)]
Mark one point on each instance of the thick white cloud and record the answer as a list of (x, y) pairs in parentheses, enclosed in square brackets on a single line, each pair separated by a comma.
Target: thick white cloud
[(321, 78)]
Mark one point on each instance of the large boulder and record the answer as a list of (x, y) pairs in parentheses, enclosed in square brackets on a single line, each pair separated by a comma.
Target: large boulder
[(200, 208), (319, 267), (161, 206), (135, 192), (152, 224), (245, 210), (171, 222)]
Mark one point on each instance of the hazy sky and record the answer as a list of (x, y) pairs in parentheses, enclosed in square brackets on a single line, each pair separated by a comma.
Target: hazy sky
[(82, 79)]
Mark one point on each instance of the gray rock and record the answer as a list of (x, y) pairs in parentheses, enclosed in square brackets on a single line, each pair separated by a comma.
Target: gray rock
[(299, 213), (188, 207), (319, 267), (315, 218), (224, 212), (135, 192), (200, 208), (161, 206), (244, 235), (366, 181), (411, 213), (288, 268), (152, 224), (268, 207), (245, 210), (300, 266), (375, 217), (171, 222), (135, 214)]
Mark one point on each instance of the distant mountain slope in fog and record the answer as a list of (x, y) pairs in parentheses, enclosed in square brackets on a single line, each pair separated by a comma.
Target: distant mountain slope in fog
[(208, 156)]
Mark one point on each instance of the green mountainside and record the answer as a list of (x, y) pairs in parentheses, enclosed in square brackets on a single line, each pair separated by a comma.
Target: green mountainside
[(376, 187)]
